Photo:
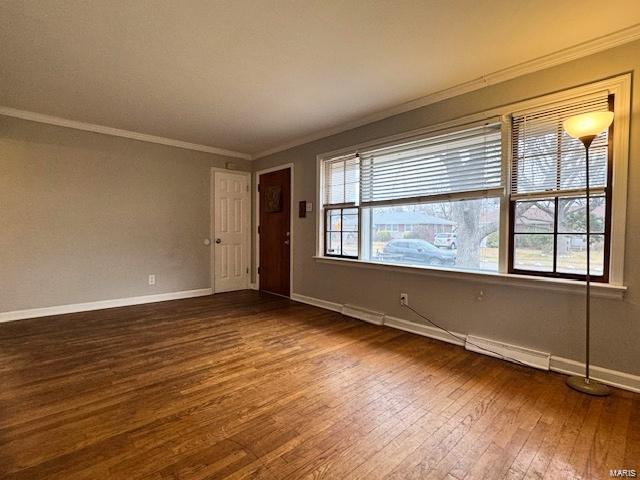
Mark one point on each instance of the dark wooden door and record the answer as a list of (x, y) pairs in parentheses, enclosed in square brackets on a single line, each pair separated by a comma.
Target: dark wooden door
[(275, 237)]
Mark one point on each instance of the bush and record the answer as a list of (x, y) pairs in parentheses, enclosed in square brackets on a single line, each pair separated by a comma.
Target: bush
[(383, 236)]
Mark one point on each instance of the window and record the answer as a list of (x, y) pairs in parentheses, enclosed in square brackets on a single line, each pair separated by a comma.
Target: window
[(548, 194), (500, 191), (430, 201)]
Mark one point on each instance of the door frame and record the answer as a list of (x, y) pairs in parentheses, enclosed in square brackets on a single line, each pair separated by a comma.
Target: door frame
[(212, 225), (256, 182)]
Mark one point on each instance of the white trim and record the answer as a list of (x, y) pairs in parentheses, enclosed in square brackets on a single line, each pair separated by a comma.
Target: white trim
[(615, 378), (622, 121), (117, 132), (534, 358), (580, 50), (364, 314), (212, 233), (316, 302), (559, 285), (291, 215), (101, 304), (505, 351), (424, 330)]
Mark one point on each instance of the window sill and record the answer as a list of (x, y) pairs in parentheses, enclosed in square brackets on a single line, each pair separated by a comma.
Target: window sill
[(602, 290)]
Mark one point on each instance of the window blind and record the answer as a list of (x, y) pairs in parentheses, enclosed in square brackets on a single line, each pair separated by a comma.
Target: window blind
[(341, 180), (467, 160), (547, 161)]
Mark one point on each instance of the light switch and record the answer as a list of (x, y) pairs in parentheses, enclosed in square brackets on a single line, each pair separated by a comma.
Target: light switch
[(309, 207)]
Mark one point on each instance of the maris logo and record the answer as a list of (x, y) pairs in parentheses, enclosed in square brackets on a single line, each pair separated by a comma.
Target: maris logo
[(623, 473)]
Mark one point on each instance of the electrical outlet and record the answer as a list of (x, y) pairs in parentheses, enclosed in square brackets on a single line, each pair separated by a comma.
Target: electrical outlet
[(152, 279), (404, 299)]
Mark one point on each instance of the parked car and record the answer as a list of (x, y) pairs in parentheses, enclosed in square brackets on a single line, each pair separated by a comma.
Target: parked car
[(446, 240), (417, 251)]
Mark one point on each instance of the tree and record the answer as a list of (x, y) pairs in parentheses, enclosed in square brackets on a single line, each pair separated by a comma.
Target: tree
[(470, 232)]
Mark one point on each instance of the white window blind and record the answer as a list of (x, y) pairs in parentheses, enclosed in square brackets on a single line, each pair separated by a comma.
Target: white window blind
[(467, 160), (547, 161), (341, 180)]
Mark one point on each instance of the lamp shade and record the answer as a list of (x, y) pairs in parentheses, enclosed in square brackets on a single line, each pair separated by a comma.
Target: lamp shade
[(587, 124)]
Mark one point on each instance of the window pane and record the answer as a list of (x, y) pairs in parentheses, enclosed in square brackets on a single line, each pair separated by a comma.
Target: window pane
[(350, 244), (546, 158), (341, 177), (534, 216), (572, 215), (536, 159), (333, 244), (459, 161), (335, 221), (350, 220), (572, 254), (572, 174), (461, 234), (533, 252)]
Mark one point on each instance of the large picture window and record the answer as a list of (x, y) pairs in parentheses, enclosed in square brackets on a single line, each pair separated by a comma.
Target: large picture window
[(432, 201), (548, 194), (505, 194)]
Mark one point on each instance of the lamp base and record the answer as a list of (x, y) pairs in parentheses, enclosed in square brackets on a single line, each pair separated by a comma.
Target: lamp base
[(590, 387)]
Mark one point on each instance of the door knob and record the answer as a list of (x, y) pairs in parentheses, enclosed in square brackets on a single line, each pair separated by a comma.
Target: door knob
[(286, 242), (218, 240)]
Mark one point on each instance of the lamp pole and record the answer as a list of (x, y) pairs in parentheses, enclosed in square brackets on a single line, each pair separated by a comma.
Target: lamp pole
[(586, 128), (586, 141)]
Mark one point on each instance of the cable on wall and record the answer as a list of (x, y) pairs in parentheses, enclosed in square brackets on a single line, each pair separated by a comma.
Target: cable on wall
[(464, 339)]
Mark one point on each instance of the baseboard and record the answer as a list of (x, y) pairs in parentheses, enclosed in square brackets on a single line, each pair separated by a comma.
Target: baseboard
[(99, 305), (424, 330), (615, 378), (316, 302), (505, 351), (376, 318), (534, 358), (253, 286)]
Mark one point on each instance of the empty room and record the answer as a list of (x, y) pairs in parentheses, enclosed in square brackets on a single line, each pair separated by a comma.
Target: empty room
[(319, 239)]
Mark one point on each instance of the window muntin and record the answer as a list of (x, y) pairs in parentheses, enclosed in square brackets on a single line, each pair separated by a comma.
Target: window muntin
[(549, 236), (341, 232)]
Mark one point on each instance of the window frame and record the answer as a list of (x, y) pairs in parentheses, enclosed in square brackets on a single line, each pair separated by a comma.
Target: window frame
[(619, 86), (604, 278), (327, 212)]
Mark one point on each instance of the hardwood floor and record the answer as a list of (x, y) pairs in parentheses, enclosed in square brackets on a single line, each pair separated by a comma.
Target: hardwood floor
[(249, 385)]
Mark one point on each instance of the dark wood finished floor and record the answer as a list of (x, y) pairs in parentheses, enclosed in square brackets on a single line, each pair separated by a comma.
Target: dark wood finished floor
[(249, 385)]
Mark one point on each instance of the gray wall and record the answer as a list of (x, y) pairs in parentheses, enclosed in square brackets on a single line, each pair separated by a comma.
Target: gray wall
[(544, 320), (86, 217)]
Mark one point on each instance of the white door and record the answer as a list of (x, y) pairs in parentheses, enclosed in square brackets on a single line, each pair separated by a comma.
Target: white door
[(231, 231)]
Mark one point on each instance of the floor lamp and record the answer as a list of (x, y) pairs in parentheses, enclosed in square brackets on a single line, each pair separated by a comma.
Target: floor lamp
[(586, 127)]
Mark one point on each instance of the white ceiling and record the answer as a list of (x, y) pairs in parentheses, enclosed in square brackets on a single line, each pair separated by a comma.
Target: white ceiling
[(249, 75)]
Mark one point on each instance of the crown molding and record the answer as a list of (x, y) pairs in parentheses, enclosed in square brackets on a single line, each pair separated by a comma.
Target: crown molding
[(580, 50), (116, 132)]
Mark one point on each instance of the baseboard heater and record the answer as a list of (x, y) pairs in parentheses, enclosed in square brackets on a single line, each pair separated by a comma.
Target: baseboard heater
[(377, 318), (505, 351)]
